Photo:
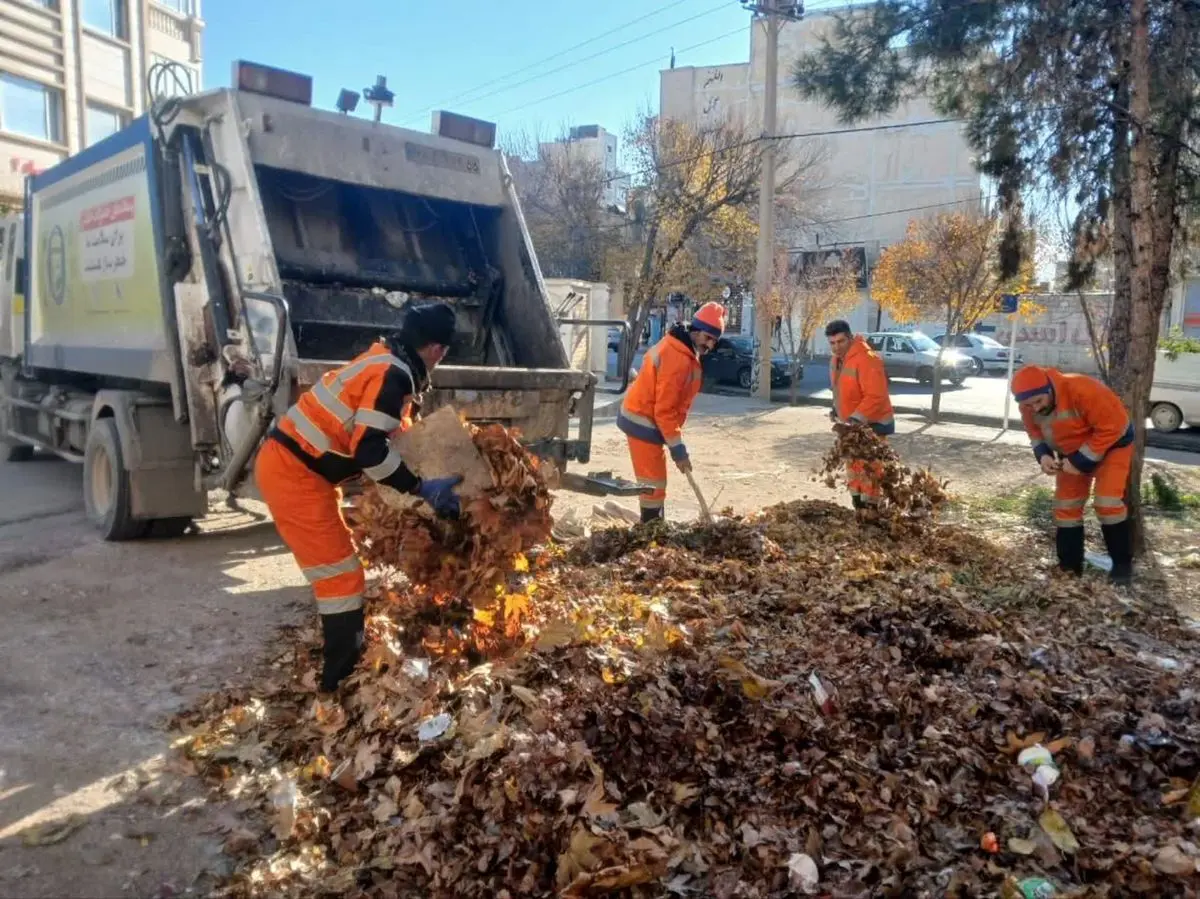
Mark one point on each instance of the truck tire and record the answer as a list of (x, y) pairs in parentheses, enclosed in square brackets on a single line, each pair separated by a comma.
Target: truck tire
[(106, 485)]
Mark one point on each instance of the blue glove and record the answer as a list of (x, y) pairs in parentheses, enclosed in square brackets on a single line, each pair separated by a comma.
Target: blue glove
[(439, 493), (679, 452)]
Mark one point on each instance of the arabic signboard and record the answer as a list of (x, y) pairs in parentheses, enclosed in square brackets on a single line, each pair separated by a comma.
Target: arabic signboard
[(96, 297)]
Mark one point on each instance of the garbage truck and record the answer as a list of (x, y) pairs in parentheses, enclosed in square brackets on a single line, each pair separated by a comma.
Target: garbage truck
[(173, 288)]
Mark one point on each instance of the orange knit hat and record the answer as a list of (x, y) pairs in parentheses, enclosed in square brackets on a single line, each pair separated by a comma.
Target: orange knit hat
[(1031, 381), (709, 318)]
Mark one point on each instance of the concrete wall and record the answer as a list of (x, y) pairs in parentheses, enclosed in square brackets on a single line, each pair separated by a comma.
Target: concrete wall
[(85, 68)]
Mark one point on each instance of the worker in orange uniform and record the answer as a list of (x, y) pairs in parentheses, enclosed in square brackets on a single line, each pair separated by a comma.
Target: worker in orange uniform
[(1080, 433), (338, 430), (657, 403), (860, 396)]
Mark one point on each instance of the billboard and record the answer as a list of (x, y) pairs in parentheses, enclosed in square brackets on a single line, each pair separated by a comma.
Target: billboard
[(807, 261), (96, 296)]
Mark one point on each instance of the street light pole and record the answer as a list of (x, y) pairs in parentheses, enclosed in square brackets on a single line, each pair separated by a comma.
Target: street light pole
[(772, 13)]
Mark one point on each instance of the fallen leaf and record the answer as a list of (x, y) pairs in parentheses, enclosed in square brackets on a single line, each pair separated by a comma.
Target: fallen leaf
[(1171, 860), (1059, 831)]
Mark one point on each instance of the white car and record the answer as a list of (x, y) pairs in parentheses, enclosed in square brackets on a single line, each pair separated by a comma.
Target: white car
[(986, 354)]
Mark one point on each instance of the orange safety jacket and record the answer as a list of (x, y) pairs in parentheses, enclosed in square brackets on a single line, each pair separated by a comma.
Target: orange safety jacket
[(341, 427), (657, 403), (1085, 422), (860, 388)]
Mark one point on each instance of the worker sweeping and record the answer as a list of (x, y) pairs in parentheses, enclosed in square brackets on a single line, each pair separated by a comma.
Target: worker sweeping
[(657, 403), (860, 396), (337, 430), (1081, 433)]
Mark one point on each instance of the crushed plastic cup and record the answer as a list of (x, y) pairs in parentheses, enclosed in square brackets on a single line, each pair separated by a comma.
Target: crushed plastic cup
[(1035, 757), (1037, 888)]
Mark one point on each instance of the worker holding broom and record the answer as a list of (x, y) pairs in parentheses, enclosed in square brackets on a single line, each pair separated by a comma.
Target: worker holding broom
[(1081, 434), (860, 396), (339, 430), (657, 403)]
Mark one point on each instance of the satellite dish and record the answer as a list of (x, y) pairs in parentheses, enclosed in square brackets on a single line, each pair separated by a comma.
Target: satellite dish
[(726, 293)]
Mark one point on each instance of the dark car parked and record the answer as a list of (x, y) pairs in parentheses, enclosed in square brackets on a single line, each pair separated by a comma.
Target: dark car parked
[(731, 361)]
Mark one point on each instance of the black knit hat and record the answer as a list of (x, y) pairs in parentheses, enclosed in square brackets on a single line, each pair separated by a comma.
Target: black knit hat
[(426, 323)]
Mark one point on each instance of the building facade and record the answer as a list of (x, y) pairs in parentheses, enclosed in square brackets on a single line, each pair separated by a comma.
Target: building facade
[(860, 188), (598, 145), (73, 72)]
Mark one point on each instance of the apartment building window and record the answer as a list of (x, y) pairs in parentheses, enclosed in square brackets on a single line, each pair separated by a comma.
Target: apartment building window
[(105, 16), (30, 109), (101, 122)]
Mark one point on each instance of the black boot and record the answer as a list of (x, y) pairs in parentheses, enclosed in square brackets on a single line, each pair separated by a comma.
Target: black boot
[(649, 515), (343, 645), (1069, 543), (857, 502), (1118, 539)]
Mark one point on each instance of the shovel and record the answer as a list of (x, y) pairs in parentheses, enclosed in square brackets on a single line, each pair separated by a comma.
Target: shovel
[(705, 514)]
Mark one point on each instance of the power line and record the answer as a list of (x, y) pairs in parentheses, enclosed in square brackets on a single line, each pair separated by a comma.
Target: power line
[(594, 81), (870, 215), (830, 132), (533, 65)]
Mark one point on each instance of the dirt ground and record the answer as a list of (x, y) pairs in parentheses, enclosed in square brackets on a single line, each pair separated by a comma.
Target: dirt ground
[(103, 642)]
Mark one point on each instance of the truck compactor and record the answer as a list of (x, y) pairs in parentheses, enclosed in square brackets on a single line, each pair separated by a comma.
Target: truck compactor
[(183, 280)]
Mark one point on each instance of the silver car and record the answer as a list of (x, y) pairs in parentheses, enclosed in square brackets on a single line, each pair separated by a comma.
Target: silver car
[(911, 354), (986, 354)]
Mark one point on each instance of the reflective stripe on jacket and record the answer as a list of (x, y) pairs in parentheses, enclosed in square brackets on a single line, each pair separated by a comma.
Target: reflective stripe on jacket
[(860, 388), (657, 403), (1086, 421), (341, 427)]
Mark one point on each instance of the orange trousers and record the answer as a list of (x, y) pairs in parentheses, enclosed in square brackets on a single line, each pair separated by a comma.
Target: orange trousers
[(308, 516), (1071, 491), (863, 481), (650, 469)]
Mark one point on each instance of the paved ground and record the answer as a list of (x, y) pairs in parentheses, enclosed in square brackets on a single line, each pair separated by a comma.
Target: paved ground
[(102, 642)]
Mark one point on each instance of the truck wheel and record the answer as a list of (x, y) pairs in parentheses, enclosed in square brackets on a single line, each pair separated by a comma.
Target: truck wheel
[(106, 484), (1166, 417)]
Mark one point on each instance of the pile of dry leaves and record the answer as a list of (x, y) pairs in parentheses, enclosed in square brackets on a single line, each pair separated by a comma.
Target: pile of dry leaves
[(905, 494), (458, 573), (788, 704)]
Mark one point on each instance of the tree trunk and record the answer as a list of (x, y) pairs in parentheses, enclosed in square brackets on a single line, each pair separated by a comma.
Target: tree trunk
[(1137, 370), (1095, 338)]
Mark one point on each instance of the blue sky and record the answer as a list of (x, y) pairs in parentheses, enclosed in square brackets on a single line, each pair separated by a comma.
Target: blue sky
[(465, 56)]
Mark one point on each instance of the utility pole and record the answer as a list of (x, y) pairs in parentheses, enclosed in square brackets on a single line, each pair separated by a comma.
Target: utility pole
[(772, 13)]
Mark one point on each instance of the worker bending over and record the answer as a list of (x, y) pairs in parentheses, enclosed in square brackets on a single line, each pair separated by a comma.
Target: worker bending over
[(860, 396), (656, 405), (1080, 432), (338, 430)]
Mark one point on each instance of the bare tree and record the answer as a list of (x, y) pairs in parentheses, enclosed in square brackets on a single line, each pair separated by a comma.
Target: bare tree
[(803, 298), (562, 192)]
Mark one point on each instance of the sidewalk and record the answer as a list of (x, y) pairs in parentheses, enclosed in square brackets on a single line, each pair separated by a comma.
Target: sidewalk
[(979, 401)]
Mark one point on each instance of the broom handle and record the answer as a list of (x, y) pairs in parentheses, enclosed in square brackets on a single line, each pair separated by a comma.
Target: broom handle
[(705, 514)]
